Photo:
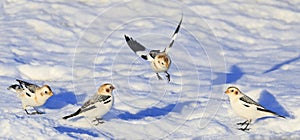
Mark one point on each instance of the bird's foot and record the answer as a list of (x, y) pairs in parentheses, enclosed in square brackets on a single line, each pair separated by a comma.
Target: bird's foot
[(33, 113), (242, 123), (37, 112), (244, 129), (98, 121), (247, 123)]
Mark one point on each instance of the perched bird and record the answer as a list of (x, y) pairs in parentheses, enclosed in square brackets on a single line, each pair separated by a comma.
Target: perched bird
[(247, 108), (31, 94), (160, 61), (98, 105)]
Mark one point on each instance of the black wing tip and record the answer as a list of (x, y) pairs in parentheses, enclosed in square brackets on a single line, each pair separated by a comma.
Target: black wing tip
[(72, 115), (13, 87), (65, 117), (22, 82), (18, 80), (181, 19), (179, 24), (281, 116), (127, 38)]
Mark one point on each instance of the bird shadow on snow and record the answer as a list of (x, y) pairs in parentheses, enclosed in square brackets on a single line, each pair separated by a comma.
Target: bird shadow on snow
[(268, 101), (225, 78), (73, 132), (58, 101), (152, 112), (278, 66)]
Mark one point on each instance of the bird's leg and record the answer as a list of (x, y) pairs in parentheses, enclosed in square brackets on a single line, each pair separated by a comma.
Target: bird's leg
[(158, 76), (98, 120), (36, 111), (242, 123), (246, 128), (168, 76), (32, 113), (26, 111)]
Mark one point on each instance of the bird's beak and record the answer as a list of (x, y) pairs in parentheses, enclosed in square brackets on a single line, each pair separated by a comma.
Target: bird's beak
[(226, 92), (112, 87)]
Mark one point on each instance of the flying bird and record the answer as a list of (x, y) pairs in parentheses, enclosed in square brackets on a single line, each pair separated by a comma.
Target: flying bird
[(31, 95), (160, 60), (247, 108), (97, 106)]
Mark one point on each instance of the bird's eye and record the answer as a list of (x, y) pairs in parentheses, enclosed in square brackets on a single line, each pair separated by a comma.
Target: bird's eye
[(232, 90), (46, 92)]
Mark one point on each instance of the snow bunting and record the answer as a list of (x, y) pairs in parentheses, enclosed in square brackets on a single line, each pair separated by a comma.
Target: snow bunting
[(98, 105), (160, 61), (31, 94), (247, 108)]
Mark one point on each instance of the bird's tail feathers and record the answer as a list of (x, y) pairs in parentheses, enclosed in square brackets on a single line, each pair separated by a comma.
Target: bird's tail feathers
[(269, 112), (276, 114), (72, 115), (280, 116)]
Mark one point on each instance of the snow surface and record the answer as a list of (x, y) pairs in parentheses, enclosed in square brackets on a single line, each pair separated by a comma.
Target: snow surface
[(75, 46)]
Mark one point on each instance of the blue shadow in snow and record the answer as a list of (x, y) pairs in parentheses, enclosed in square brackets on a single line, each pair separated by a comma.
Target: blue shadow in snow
[(61, 99), (225, 78), (70, 131), (150, 112), (19, 60), (268, 101), (153, 112), (278, 66)]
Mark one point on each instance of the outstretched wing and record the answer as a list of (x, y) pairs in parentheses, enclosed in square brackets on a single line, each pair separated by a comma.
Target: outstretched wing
[(138, 48), (28, 87), (167, 49)]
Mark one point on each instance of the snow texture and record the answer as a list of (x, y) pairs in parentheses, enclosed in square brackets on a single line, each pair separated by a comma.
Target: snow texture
[(75, 46)]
